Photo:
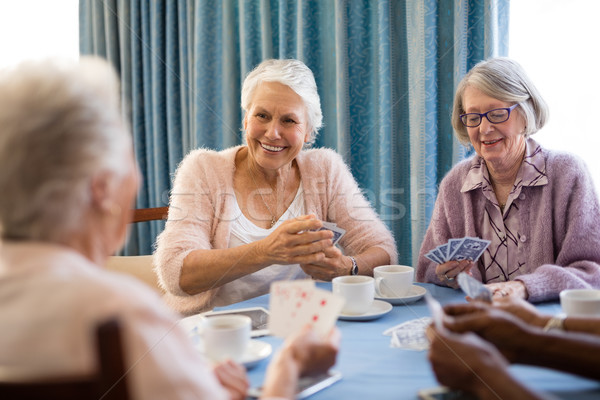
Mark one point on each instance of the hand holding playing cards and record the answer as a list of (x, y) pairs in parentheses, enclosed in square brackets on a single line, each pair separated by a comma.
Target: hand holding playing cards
[(304, 353), (297, 241), (448, 271), (507, 332), (468, 363)]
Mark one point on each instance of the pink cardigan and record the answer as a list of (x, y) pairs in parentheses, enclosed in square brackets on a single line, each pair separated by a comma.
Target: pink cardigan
[(202, 205), (560, 227)]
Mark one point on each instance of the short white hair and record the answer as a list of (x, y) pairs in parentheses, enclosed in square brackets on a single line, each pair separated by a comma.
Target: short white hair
[(60, 125), (298, 77), (503, 79)]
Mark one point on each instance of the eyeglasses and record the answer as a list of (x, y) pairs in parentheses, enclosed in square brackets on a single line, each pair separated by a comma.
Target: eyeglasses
[(495, 116)]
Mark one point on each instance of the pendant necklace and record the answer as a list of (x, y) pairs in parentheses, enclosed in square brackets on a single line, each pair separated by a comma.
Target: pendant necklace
[(273, 217)]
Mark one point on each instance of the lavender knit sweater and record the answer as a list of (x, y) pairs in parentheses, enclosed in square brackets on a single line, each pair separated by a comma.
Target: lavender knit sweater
[(202, 208), (560, 223)]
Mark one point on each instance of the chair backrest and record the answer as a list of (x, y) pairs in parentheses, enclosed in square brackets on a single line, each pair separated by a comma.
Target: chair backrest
[(108, 383), (150, 214)]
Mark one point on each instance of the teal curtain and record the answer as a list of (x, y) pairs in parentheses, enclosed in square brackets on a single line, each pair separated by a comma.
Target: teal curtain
[(386, 72)]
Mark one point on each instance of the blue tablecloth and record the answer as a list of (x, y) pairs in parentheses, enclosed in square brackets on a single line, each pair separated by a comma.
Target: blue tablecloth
[(371, 368)]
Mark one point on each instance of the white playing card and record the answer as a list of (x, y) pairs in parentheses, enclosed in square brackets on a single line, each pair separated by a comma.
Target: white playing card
[(283, 295), (437, 313), (473, 288), (410, 335), (294, 304)]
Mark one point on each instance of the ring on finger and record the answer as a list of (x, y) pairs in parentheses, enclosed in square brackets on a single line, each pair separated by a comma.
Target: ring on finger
[(448, 278)]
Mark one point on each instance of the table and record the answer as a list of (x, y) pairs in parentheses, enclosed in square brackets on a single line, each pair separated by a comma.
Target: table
[(371, 368)]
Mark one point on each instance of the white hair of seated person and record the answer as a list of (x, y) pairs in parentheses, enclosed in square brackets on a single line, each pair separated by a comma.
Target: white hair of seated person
[(503, 79), (294, 74), (60, 129)]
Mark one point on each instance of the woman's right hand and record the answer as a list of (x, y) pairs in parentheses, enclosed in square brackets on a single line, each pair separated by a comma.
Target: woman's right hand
[(296, 241), (448, 271)]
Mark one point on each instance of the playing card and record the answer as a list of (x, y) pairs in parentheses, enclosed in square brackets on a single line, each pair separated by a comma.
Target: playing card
[(473, 288), (440, 252), (437, 313), (410, 335), (282, 296), (433, 258), (470, 249), (337, 231), (453, 244), (293, 304)]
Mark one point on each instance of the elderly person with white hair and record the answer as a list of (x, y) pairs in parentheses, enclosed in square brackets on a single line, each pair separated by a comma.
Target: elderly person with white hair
[(68, 182), (537, 207), (249, 215)]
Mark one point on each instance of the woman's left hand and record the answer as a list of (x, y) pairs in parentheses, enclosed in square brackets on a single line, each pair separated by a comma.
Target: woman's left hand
[(233, 378), (510, 288), (334, 264)]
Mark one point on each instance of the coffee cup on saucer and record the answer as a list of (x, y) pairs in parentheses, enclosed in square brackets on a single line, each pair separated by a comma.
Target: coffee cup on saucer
[(226, 336), (358, 292), (393, 281), (580, 302)]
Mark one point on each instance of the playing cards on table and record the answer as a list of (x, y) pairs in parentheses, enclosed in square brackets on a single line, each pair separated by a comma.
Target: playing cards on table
[(294, 304), (467, 248)]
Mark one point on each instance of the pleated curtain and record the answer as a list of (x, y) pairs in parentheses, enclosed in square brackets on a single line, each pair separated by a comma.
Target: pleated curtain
[(386, 72)]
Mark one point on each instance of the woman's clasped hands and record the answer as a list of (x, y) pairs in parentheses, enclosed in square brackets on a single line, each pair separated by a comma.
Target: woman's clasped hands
[(298, 241)]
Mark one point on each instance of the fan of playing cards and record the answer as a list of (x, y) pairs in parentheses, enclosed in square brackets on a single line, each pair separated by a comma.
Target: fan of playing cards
[(467, 248), (337, 231)]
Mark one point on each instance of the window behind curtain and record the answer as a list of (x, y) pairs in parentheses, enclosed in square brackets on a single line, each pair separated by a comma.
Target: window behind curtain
[(37, 29), (556, 41)]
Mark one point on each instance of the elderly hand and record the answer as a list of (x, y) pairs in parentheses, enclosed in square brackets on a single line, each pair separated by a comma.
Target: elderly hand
[(507, 332), (296, 241), (334, 264), (302, 354), (508, 289), (448, 271), (233, 378), (464, 361)]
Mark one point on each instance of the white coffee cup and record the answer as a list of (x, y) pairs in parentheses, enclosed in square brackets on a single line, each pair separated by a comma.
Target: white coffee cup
[(226, 336), (393, 280), (358, 292), (580, 301)]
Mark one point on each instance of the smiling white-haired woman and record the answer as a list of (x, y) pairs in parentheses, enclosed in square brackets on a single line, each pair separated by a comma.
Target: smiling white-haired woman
[(538, 208), (250, 215), (68, 182)]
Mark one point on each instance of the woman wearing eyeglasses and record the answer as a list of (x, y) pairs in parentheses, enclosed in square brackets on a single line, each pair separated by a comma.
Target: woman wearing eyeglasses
[(538, 208)]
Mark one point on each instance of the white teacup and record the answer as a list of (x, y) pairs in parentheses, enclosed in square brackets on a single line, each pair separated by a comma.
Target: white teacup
[(226, 336), (358, 292), (393, 280), (580, 301)]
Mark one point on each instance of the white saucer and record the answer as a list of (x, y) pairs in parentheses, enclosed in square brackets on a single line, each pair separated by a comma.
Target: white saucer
[(378, 308), (416, 293), (255, 352)]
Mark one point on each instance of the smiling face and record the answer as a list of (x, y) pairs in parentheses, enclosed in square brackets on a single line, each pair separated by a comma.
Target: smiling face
[(501, 145), (276, 125)]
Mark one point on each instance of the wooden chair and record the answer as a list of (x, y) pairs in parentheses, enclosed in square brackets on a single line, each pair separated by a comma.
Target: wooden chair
[(150, 214), (140, 266), (108, 383)]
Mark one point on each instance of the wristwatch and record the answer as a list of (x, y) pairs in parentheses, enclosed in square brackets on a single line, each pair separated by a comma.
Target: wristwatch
[(354, 269)]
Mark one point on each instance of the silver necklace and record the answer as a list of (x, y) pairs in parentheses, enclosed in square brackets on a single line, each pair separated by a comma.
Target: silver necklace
[(273, 216)]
